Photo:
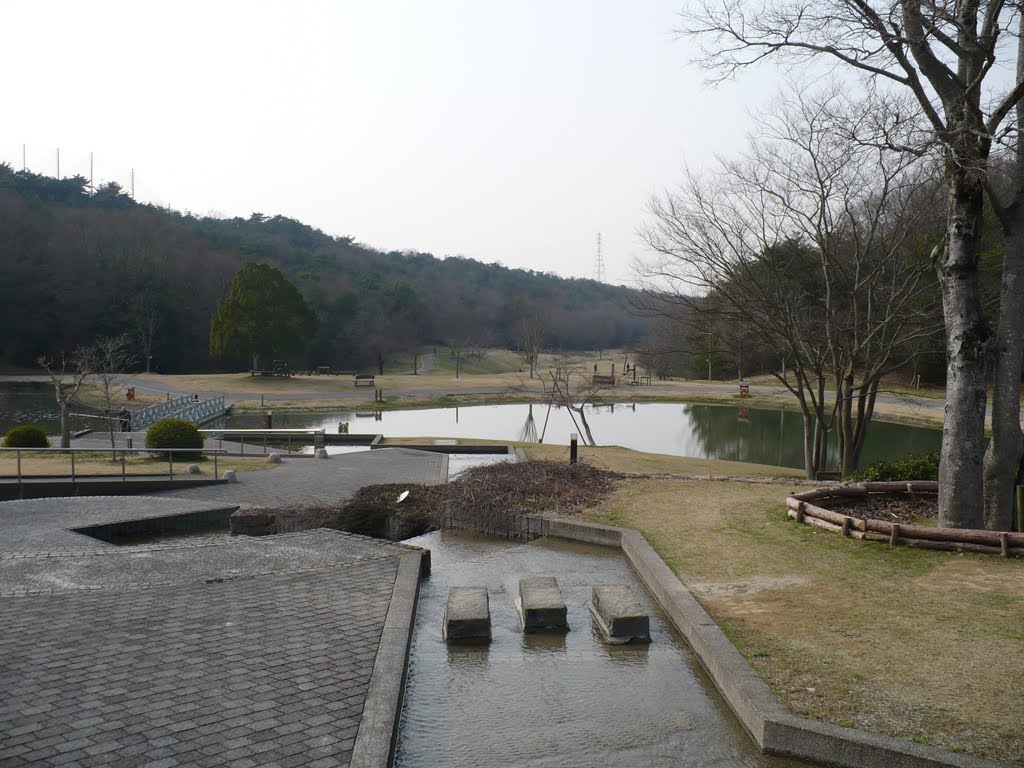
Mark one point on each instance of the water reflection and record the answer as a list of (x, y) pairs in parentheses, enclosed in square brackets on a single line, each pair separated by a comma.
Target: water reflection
[(761, 436)]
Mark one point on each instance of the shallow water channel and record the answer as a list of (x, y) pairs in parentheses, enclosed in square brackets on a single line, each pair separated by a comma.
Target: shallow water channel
[(534, 701)]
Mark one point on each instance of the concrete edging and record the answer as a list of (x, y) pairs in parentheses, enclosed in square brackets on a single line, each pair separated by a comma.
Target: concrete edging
[(774, 730), (378, 728)]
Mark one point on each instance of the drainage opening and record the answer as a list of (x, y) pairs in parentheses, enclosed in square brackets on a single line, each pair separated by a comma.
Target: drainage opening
[(155, 529)]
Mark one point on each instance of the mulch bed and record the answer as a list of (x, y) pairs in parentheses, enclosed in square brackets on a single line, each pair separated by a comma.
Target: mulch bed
[(919, 508), (490, 492)]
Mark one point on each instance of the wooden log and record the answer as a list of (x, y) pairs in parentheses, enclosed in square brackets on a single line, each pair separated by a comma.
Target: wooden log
[(968, 535), (945, 546), (818, 523), (901, 486), (833, 492)]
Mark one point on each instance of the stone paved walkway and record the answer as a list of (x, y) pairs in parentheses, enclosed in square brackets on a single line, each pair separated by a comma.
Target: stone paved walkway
[(211, 651), (299, 480)]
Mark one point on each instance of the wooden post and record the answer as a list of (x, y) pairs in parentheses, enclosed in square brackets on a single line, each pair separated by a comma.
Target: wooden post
[(270, 419), (894, 535), (800, 512), (846, 526), (1004, 544), (215, 476), (573, 448)]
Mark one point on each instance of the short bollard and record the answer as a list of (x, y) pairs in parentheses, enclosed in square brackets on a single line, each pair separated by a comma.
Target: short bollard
[(573, 448), (467, 617), (540, 605)]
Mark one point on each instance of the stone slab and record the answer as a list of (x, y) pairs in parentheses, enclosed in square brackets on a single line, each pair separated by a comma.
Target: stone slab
[(541, 606), (467, 617), (619, 614)]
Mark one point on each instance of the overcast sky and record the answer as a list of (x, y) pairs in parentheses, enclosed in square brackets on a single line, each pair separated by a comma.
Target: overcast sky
[(510, 132)]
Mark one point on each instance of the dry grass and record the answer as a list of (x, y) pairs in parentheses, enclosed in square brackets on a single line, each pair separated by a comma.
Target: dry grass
[(922, 645), (100, 463)]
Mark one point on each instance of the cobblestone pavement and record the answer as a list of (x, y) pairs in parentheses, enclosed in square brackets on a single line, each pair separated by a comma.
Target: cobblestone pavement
[(206, 651), (270, 670), (297, 481)]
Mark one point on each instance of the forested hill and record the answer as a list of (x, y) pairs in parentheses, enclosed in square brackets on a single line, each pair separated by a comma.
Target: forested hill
[(77, 265)]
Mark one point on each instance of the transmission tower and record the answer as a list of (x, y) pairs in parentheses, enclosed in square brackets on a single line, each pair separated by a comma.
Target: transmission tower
[(599, 262)]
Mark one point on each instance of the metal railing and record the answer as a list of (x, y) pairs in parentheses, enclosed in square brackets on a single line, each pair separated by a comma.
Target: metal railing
[(264, 437), (123, 451), (187, 408)]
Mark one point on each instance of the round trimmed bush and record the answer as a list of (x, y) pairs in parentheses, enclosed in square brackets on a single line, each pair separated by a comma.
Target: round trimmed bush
[(27, 436), (174, 433)]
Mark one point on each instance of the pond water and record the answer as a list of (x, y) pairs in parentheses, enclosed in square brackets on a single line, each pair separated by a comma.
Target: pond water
[(563, 700), (756, 435), (34, 403)]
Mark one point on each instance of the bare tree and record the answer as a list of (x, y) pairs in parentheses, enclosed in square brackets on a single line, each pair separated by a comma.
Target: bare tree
[(531, 334), (574, 388), (1003, 455), (807, 246), (67, 375), (108, 359), (945, 54)]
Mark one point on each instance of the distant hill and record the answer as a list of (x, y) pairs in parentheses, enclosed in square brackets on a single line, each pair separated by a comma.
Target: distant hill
[(77, 265)]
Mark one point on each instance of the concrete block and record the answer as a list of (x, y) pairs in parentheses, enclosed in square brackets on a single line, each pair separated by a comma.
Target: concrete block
[(619, 615), (541, 606), (467, 618)]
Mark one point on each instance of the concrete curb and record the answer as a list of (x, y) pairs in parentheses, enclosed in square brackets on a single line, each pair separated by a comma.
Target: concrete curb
[(378, 727), (775, 730)]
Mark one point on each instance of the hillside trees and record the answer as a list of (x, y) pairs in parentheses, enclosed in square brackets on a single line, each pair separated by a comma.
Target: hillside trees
[(946, 57), (263, 315), (807, 248)]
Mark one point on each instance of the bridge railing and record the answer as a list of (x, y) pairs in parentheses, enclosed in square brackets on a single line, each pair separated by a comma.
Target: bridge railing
[(187, 408)]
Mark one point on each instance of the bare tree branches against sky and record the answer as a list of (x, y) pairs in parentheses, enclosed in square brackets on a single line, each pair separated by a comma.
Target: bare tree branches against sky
[(502, 132)]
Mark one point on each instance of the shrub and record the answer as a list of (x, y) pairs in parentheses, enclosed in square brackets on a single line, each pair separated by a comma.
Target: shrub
[(174, 433), (27, 436), (910, 467)]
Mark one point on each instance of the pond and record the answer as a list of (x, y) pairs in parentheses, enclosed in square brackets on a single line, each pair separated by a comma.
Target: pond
[(527, 701), (33, 403), (755, 435)]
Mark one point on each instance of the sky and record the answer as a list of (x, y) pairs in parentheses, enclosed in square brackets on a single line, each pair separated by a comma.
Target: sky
[(504, 132)]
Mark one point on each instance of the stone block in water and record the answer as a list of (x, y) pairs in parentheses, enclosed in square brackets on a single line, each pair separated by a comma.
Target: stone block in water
[(467, 617), (619, 615), (541, 606)]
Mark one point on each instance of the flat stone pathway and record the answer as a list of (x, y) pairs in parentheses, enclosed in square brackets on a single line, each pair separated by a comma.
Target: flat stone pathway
[(302, 480), (207, 651)]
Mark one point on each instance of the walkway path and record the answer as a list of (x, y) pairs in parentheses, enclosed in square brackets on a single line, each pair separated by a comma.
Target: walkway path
[(213, 650)]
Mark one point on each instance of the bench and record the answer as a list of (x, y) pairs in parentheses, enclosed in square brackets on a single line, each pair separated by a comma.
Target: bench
[(603, 381), (364, 380)]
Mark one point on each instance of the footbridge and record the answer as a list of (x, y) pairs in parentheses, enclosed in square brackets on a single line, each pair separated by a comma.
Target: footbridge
[(187, 408)]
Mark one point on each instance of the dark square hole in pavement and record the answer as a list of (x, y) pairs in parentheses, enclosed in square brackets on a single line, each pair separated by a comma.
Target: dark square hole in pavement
[(154, 529)]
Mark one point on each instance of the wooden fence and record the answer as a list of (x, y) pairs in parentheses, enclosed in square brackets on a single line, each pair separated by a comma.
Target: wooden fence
[(803, 509)]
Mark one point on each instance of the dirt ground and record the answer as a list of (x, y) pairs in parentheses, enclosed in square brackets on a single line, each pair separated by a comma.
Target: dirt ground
[(923, 645)]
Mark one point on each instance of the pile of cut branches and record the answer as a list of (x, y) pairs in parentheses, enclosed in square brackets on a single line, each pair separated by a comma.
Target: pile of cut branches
[(494, 492)]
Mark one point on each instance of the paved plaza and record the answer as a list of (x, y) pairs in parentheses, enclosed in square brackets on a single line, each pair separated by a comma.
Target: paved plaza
[(205, 650)]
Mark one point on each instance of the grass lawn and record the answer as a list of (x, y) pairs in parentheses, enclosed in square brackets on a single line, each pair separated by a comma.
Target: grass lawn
[(923, 645)]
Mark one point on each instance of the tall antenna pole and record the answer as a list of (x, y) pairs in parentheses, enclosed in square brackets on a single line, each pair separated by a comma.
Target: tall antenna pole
[(133, 183), (92, 189), (599, 275), (58, 163), (23, 166)]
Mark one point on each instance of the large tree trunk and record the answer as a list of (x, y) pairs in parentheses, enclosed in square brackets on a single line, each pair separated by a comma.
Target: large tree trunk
[(1004, 449), (967, 334), (65, 422)]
